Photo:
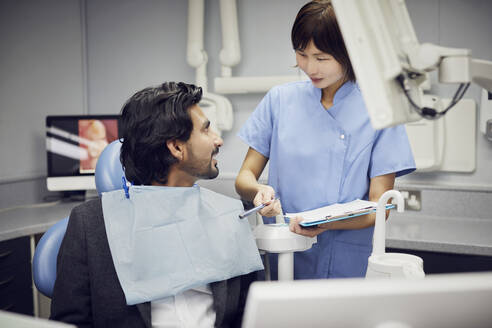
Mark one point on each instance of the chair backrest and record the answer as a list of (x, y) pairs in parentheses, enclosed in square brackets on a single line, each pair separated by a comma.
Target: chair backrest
[(44, 261), (108, 177), (108, 168)]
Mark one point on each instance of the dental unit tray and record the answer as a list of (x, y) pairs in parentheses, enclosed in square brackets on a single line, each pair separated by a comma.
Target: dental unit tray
[(337, 212)]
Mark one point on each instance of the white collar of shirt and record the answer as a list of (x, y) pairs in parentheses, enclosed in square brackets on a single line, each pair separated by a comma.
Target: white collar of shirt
[(191, 308)]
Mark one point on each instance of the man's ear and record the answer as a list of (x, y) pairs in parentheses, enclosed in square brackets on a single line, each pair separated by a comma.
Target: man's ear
[(177, 149)]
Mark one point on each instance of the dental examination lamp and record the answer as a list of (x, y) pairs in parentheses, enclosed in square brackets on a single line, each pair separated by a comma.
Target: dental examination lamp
[(391, 66)]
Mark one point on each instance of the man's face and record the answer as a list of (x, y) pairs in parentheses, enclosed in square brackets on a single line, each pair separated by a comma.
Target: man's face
[(202, 147)]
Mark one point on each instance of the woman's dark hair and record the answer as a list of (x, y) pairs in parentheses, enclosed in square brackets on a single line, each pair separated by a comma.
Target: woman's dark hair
[(316, 21), (149, 119)]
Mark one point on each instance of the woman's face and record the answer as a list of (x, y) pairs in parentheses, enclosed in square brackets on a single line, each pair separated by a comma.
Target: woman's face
[(322, 68)]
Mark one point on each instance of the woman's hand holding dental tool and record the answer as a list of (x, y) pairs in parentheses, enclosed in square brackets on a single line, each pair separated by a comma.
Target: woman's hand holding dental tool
[(255, 209), (248, 187), (266, 195)]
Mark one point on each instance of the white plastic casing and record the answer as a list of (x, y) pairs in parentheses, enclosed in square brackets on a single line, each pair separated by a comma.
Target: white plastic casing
[(277, 238), (486, 114)]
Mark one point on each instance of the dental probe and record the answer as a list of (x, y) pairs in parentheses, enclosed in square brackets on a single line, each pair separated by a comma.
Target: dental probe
[(254, 210)]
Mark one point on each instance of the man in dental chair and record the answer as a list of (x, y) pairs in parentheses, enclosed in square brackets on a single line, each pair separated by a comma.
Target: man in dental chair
[(162, 252)]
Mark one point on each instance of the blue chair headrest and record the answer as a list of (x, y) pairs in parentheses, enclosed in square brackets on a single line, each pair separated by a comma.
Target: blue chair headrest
[(45, 255), (109, 169)]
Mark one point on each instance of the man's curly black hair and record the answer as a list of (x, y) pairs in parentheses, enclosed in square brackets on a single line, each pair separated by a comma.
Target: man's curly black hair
[(149, 119)]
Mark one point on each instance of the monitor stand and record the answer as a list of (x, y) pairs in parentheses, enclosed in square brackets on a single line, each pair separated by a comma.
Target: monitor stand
[(78, 195), (91, 194)]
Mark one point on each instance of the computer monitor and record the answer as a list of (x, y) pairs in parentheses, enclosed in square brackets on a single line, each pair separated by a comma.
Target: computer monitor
[(378, 35), (445, 300), (73, 145)]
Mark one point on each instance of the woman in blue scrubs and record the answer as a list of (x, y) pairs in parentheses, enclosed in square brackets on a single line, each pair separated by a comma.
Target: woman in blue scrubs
[(321, 148)]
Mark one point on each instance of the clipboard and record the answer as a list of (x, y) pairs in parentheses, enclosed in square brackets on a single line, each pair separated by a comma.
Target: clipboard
[(337, 212), (349, 216)]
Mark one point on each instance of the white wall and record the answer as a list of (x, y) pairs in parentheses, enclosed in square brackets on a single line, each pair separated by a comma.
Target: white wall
[(41, 73), (129, 45), (133, 45)]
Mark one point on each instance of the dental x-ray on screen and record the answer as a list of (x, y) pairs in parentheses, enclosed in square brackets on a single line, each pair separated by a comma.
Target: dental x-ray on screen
[(73, 145)]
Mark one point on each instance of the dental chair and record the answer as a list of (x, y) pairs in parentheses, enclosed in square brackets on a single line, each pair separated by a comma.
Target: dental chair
[(108, 177)]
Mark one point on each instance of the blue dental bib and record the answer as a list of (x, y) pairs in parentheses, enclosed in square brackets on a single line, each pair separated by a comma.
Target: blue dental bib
[(165, 240)]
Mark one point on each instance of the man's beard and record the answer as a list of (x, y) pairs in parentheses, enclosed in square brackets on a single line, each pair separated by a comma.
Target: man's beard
[(199, 169)]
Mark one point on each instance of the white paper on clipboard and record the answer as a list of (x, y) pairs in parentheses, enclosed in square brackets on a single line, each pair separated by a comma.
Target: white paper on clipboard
[(336, 212)]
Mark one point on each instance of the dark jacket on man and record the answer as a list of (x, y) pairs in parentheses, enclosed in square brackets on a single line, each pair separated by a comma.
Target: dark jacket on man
[(87, 292)]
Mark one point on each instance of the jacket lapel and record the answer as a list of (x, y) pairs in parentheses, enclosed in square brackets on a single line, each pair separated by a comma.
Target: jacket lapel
[(145, 309), (219, 292)]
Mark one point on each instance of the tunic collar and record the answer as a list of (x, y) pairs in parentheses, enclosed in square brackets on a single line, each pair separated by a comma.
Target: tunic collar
[(340, 95), (343, 91)]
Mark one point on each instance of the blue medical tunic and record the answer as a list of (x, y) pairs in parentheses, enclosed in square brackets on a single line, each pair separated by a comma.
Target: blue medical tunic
[(319, 157)]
